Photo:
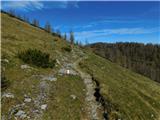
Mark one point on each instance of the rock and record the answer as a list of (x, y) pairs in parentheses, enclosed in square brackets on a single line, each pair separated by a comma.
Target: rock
[(43, 107), (3, 117), (152, 115), (62, 71), (28, 117), (50, 78), (27, 100), (23, 104), (5, 60), (8, 95), (69, 65), (25, 67), (35, 111), (73, 97), (67, 71), (58, 61), (21, 114), (72, 72)]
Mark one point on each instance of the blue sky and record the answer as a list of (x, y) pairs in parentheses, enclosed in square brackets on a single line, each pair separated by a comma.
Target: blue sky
[(95, 21)]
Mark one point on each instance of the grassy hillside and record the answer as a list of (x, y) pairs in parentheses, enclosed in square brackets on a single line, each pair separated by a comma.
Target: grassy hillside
[(138, 57), (129, 96), (18, 36), (132, 96)]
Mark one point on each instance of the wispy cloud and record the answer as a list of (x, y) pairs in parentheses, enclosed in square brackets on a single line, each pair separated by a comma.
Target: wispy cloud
[(119, 31), (37, 5), (107, 21), (61, 4), (22, 5)]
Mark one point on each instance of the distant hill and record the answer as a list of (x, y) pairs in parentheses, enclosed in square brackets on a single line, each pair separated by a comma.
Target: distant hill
[(31, 92), (141, 58)]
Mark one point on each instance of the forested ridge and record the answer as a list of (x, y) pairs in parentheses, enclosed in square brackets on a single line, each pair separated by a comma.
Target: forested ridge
[(139, 57)]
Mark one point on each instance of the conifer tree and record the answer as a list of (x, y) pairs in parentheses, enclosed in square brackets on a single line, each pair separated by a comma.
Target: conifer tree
[(48, 27)]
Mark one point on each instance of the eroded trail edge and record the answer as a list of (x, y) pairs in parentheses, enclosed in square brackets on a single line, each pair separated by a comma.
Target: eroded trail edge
[(93, 97)]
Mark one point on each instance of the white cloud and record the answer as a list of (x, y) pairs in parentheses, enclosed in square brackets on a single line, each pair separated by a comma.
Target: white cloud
[(119, 31), (37, 5), (22, 5), (106, 21), (63, 4)]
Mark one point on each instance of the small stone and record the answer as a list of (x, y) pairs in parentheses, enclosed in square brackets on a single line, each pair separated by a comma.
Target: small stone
[(49, 78), (58, 61), (25, 95), (68, 72), (23, 104), (8, 95), (27, 100), (43, 107), (73, 97), (5, 60), (152, 115), (28, 117), (36, 111), (25, 67), (21, 114)]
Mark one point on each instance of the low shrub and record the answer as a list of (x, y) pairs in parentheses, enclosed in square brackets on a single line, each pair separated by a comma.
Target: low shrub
[(68, 48), (4, 82), (36, 57)]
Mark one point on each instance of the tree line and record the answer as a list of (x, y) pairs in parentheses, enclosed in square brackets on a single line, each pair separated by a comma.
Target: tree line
[(139, 57)]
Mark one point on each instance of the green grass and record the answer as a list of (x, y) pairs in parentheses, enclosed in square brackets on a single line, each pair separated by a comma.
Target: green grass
[(136, 96), (61, 105), (19, 36)]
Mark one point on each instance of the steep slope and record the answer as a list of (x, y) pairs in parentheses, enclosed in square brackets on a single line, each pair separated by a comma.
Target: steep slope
[(33, 92), (141, 58), (127, 95), (46, 94)]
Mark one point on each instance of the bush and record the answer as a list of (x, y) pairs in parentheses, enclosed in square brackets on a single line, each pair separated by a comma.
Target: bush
[(36, 57), (68, 48), (4, 82)]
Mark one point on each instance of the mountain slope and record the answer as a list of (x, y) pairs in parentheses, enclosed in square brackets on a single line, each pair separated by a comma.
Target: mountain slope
[(139, 57), (129, 95), (34, 82), (46, 94)]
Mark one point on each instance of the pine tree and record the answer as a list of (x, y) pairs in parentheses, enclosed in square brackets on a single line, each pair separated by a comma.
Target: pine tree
[(58, 32), (48, 27), (72, 38), (12, 13), (65, 36), (35, 23)]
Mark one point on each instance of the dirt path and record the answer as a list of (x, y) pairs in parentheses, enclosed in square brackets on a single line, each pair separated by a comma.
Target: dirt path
[(92, 105)]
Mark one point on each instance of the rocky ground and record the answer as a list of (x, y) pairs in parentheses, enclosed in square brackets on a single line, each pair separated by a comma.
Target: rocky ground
[(92, 106), (34, 107)]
